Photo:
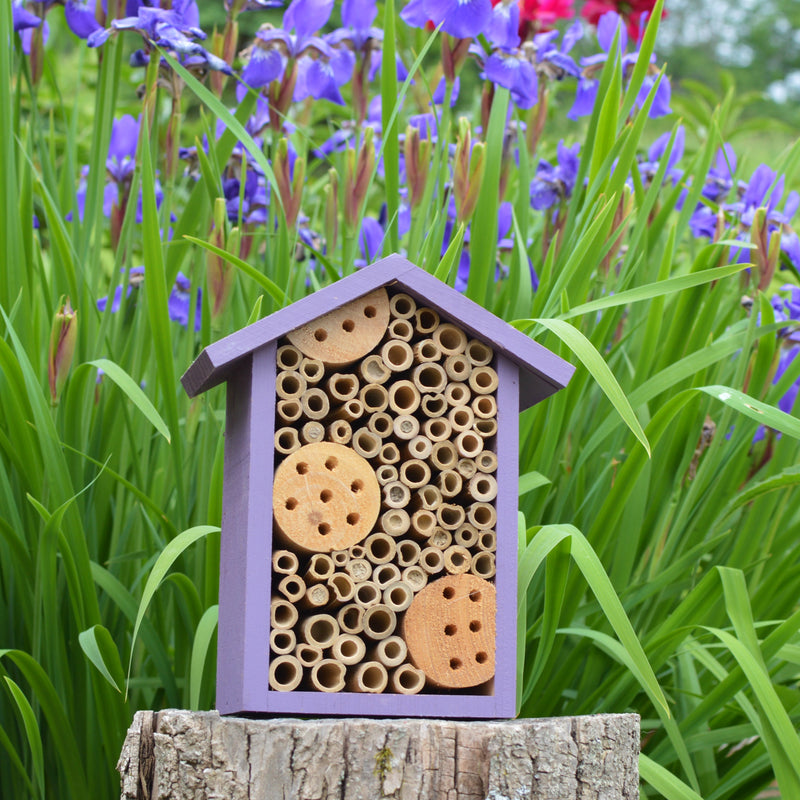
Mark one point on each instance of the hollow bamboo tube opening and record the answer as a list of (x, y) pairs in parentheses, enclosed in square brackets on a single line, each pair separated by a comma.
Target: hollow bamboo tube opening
[(339, 432), (359, 569), (466, 535), (312, 432), (289, 410), (478, 353), (379, 622), (437, 430), (366, 443), (282, 614), (386, 473), (419, 447), (284, 562), (461, 418), (466, 467), (313, 370), (371, 676), (373, 370), (350, 411), (482, 515), (405, 427), (350, 618), (315, 596), (415, 577), (290, 385), (320, 630), (342, 588), (457, 367), (328, 675), (431, 560), (308, 654), (484, 406), (320, 568), (487, 540), (485, 428), (441, 538), (348, 649), (469, 444), (374, 397), (404, 397), (402, 306), (449, 483), (367, 594), (457, 560), (389, 454), (433, 405), (429, 378), (482, 487), (426, 320), (401, 329), (395, 521), (397, 355), (450, 516), (426, 351), (407, 553), (391, 652), (380, 548), (398, 595), (385, 574), (340, 558), (292, 587), (380, 424), (342, 387), (396, 495), (282, 642), (288, 357), (483, 380), (484, 565), (415, 473), (428, 497), (315, 403), (451, 340), (286, 441), (457, 394), (407, 679), (486, 461), (444, 454), (356, 551), (285, 673), (423, 523)]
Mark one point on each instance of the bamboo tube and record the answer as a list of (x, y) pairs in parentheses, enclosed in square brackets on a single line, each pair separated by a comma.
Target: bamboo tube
[(466, 467), (407, 679), (312, 432), (450, 516), (444, 454), (339, 432), (462, 418), (433, 405), (395, 521), (328, 675), (426, 351), (379, 622), (289, 410), (482, 515), (457, 367), (290, 385), (483, 380), (396, 495), (359, 569), (469, 444), (308, 654), (405, 427), (478, 353), (397, 355), (386, 473), (342, 387), (449, 483), (356, 551), (419, 447), (374, 397), (380, 548), (389, 454), (391, 651), (483, 565), (371, 677), (423, 523), (415, 473), (457, 394), (486, 461), (426, 321), (431, 560), (348, 649), (315, 403), (437, 430), (457, 560), (341, 587), (285, 673), (284, 562), (380, 423), (366, 443), (385, 574), (482, 487), (292, 587), (402, 306), (466, 535), (401, 329), (404, 397), (288, 357), (320, 568), (282, 614), (397, 595), (350, 411), (350, 618), (282, 642), (485, 428), (286, 440), (313, 370), (451, 339), (487, 541), (316, 596), (441, 538), (485, 406), (320, 630), (407, 553), (415, 577), (373, 370), (428, 497), (429, 378), (341, 558), (367, 594)]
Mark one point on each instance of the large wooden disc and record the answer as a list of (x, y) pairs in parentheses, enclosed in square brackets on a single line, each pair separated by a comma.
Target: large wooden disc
[(325, 497), (346, 334), (450, 631)]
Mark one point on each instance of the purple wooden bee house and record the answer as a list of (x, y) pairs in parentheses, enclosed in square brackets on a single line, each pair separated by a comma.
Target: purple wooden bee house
[(369, 532)]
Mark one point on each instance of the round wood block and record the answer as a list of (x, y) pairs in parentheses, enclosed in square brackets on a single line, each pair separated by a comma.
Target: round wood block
[(450, 631), (325, 497), (346, 334)]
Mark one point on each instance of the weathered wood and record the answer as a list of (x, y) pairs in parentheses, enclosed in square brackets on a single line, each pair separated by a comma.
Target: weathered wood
[(202, 755)]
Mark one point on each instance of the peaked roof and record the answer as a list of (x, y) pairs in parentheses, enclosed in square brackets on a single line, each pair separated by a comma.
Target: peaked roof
[(541, 372)]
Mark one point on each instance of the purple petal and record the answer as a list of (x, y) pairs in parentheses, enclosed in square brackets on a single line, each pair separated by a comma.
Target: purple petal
[(124, 137), (516, 75), (315, 78), (358, 14), (503, 30), (607, 27), (307, 16), (414, 14), (22, 18), (585, 96), (571, 36), (464, 19), (80, 17), (441, 89), (263, 67)]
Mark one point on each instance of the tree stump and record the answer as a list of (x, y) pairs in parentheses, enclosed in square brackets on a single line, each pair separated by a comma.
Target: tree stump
[(182, 754)]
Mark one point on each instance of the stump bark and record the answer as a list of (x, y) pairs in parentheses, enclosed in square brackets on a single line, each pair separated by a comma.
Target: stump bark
[(182, 754)]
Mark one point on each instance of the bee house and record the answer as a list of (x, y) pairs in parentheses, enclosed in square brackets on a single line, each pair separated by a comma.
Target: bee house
[(369, 532)]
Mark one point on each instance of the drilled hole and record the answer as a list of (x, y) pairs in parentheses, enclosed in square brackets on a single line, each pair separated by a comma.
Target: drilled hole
[(331, 463), (302, 468), (291, 504), (348, 326), (455, 663), (353, 518), (475, 596), (370, 312), (326, 495), (448, 593), (475, 626), (356, 486), (324, 529), (320, 334), (450, 630), (481, 657)]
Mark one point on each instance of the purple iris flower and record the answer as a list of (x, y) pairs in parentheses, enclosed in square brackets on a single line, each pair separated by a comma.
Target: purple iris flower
[(552, 184), (462, 19), (370, 241), (655, 154), (787, 309), (21, 18), (719, 180), (255, 198), (179, 302), (136, 275), (440, 92), (338, 141)]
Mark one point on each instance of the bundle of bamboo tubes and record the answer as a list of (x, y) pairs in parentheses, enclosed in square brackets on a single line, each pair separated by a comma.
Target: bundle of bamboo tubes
[(384, 503)]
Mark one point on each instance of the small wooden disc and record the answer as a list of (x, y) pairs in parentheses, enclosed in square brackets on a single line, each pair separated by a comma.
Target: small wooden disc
[(450, 631), (346, 334), (325, 497)]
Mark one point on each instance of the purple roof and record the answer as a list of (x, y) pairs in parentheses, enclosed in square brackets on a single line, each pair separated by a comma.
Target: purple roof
[(541, 372)]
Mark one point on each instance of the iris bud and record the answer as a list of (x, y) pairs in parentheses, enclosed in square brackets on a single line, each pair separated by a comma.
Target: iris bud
[(468, 169), (219, 273), (63, 337)]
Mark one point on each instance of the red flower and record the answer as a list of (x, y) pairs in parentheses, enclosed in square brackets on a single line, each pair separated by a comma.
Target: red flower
[(632, 11), (541, 15)]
